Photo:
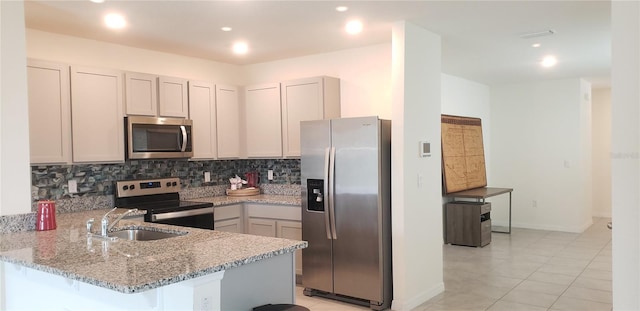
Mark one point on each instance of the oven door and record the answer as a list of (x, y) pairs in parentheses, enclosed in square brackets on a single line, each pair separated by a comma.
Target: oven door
[(194, 218)]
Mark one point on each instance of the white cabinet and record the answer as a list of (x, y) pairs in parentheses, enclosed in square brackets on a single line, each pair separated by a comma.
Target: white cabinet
[(49, 112), (202, 110), (229, 218), (172, 97), (141, 91), (262, 227), (291, 230), (263, 128), (306, 99), (228, 121), (97, 115), (276, 221), (150, 95)]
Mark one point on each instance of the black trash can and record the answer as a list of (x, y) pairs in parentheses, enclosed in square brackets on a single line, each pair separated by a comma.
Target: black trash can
[(280, 307)]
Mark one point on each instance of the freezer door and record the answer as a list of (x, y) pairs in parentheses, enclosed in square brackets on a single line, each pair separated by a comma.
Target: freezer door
[(357, 251), (315, 140)]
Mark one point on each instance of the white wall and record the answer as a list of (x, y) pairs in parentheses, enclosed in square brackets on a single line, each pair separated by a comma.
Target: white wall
[(601, 154), (416, 181), (540, 147), (461, 97), (365, 76), (79, 51), (625, 156), (15, 173)]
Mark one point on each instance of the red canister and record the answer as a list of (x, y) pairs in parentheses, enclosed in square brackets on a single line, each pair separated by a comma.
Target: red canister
[(46, 216)]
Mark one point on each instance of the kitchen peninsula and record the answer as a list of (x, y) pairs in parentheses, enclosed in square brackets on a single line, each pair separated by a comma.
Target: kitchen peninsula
[(201, 270)]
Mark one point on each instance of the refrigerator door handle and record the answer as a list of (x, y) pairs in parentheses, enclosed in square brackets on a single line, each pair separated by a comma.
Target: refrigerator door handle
[(332, 209), (327, 225)]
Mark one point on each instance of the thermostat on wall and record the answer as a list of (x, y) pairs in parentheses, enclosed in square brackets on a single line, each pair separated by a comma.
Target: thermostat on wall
[(425, 149)]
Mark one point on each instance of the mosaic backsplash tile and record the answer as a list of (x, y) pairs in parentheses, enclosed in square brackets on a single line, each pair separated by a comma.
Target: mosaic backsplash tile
[(97, 180)]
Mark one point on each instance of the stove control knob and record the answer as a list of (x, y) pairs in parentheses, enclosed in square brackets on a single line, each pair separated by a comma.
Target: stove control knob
[(132, 187), (174, 184), (125, 187), (168, 184)]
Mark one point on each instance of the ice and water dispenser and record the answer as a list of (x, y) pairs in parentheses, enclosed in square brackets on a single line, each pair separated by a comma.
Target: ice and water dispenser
[(315, 195)]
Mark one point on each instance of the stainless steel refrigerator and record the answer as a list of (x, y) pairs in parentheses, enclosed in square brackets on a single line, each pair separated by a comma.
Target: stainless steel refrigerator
[(346, 210)]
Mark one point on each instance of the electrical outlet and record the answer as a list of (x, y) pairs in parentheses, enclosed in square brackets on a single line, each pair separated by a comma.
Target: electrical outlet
[(270, 174), (73, 186), (207, 176)]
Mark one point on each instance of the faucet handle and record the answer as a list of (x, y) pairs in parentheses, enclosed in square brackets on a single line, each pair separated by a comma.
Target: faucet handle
[(89, 225)]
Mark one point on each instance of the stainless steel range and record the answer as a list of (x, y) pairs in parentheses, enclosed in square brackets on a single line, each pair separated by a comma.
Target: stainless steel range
[(161, 200)]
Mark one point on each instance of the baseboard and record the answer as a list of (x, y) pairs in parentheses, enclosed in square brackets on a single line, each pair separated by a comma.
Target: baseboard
[(576, 229), (419, 299)]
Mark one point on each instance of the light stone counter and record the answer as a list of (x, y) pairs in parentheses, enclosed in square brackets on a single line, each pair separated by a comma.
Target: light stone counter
[(261, 198), (136, 266)]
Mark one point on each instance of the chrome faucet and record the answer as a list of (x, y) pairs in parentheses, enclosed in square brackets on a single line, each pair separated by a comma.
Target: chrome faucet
[(104, 224)]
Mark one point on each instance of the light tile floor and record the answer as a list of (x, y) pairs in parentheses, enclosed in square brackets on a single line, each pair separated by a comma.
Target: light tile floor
[(526, 270)]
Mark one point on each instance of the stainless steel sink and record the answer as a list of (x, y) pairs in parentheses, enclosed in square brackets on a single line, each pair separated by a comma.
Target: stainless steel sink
[(142, 234)]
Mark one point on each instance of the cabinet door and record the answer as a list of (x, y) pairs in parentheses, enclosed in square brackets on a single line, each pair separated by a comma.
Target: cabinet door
[(173, 97), (263, 227), (306, 99), (228, 121), (202, 110), (97, 118), (229, 225), (263, 128), (291, 230), (141, 91), (49, 112)]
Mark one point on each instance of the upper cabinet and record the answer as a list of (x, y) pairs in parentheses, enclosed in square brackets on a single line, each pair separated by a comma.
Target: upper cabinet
[(97, 115), (228, 121), (202, 104), (263, 128), (172, 96), (141, 91), (306, 99), (154, 96), (49, 112)]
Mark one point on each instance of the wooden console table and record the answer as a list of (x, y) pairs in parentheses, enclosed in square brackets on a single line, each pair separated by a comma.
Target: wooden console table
[(481, 194)]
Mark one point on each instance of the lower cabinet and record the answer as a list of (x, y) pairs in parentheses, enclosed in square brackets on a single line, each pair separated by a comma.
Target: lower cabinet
[(229, 225), (276, 221), (291, 230), (229, 218), (468, 223)]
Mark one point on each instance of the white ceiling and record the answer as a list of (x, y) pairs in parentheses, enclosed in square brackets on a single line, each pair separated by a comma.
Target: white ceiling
[(481, 39)]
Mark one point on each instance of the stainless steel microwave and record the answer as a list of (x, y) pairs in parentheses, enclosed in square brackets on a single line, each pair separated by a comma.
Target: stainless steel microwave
[(158, 138)]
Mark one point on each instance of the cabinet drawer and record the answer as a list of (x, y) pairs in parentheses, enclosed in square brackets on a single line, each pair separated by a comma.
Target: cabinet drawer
[(283, 212), (485, 208), (485, 226), (227, 212), (485, 236)]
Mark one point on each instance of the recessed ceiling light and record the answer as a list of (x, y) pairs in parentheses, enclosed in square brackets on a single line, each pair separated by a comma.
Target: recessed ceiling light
[(97, 1), (535, 45), (240, 48), (226, 28), (115, 21), (353, 27), (342, 8), (549, 61)]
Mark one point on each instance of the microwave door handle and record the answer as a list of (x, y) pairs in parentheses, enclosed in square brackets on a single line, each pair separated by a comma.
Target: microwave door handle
[(183, 148)]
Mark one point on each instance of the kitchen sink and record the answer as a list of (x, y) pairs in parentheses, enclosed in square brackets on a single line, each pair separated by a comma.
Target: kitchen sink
[(142, 234)]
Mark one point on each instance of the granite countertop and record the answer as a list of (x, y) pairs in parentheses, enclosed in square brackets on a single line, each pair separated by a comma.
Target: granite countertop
[(135, 266), (260, 198)]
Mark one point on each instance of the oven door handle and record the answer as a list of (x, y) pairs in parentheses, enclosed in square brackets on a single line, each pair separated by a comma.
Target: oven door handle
[(193, 212)]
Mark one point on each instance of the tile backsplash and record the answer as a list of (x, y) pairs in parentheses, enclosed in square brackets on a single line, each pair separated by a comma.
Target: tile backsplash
[(50, 182)]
